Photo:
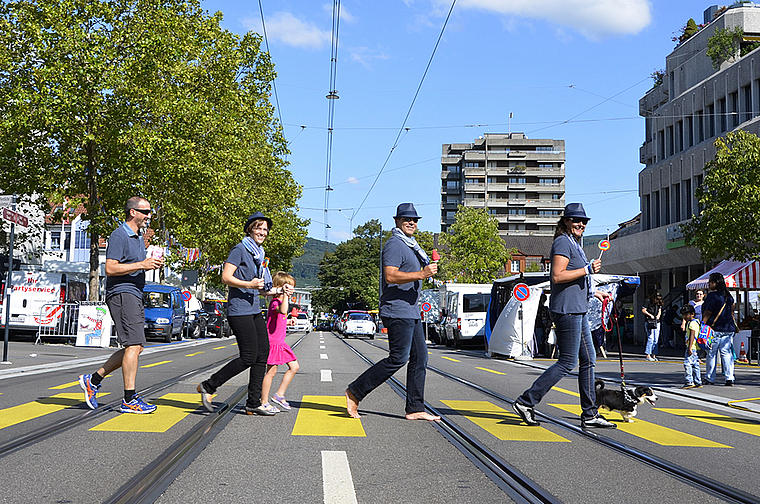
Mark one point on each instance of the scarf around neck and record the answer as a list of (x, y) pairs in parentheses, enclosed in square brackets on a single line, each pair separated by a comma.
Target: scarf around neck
[(258, 258), (412, 243)]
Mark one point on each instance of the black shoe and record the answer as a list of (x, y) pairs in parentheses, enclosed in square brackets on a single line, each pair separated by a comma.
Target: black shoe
[(709, 383), (526, 413), (729, 383), (597, 422)]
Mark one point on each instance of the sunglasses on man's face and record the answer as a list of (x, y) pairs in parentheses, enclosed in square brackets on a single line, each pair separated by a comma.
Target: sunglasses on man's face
[(409, 219), (143, 211), (578, 220)]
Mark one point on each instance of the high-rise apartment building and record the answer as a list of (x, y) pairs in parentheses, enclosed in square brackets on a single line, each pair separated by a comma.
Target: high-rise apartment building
[(518, 180)]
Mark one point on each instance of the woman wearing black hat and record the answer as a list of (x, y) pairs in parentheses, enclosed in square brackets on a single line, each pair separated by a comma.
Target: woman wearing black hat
[(570, 292), (246, 272)]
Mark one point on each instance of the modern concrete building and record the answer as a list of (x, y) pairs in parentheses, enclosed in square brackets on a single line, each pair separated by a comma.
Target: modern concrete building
[(692, 105), (520, 181)]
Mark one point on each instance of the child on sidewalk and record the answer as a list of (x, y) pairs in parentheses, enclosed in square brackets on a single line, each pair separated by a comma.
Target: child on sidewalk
[(691, 360), (279, 351)]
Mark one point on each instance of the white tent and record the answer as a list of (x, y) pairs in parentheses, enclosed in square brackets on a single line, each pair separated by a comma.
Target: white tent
[(511, 336)]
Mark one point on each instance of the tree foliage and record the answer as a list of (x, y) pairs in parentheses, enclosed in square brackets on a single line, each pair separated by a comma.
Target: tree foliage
[(729, 223), (350, 276), (724, 44), (474, 251), (106, 99)]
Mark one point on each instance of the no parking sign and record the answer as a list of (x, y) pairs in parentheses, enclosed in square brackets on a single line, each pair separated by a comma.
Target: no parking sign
[(521, 292), (186, 295), (426, 307)]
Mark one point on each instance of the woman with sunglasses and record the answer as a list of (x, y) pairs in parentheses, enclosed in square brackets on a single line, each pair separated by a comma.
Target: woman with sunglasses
[(569, 302), (652, 311)]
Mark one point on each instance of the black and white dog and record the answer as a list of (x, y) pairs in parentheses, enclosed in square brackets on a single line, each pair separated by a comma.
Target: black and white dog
[(624, 403)]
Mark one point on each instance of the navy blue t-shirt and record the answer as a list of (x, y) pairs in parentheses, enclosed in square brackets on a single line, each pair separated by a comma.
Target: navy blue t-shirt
[(243, 301), (713, 303), (400, 300), (126, 247), (570, 297)]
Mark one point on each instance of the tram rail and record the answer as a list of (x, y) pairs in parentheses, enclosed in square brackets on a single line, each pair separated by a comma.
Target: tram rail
[(698, 481)]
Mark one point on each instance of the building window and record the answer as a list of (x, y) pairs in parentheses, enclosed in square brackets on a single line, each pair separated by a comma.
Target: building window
[(661, 145), (470, 164), (516, 180), (549, 213), (647, 212), (452, 184), (711, 120), (666, 204), (670, 141), (734, 101), (514, 266), (55, 240), (690, 131), (722, 115), (556, 196), (82, 240), (700, 126), (492, 211), (473, 181), (677, 202), (546, 165), (548, 181), (656, 207), (516, 211), (544, 149), (679, 136), (747, 92), (688, 196)]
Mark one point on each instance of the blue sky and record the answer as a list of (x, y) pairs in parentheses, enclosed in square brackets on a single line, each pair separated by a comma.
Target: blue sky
[(571, 70)]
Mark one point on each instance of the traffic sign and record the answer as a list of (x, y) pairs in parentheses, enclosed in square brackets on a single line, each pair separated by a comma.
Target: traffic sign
[(426, 307), (16, 217), (186, 295), (521, 292)]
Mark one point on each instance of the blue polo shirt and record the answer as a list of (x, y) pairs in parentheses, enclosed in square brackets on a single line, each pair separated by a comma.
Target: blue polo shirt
[(243, 301), (713, 303), (570, 297), (400, 300), (126, 247)]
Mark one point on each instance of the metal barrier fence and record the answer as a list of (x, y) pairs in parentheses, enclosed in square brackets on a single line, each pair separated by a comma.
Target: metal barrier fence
[(60, 320)]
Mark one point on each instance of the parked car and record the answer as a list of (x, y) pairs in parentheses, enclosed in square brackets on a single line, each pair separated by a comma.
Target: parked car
[(464, 313), (164, 312), (197, 318), (217, 323), (359, 324), (323, 326), (299, 323)]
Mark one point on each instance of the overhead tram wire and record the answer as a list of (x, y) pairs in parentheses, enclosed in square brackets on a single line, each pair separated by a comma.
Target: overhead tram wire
[(332, 96), (266, 43), (411, 105)]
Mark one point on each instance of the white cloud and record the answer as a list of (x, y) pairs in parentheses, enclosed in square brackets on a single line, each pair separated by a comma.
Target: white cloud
[(284, 27), (592, 18), (345, 16), (352, 180), (365, 55)]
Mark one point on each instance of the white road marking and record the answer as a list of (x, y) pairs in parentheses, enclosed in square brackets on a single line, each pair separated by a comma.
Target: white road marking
[(323, 356), (321, 347), (337, 483), (325, 374)]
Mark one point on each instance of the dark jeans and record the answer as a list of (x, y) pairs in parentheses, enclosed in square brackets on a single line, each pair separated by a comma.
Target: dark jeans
[(406, 341), (253, 343), (575, 343)]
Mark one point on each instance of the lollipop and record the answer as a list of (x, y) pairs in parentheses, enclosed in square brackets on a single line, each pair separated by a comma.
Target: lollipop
[(603, 245), (265, 263), (436, 256)]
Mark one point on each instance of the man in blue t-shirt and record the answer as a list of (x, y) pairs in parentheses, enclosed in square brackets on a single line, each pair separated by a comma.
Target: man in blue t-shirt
[(405, 265), (125, 278)]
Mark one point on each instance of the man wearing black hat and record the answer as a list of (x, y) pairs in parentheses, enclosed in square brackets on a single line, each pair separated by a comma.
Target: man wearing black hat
[(405, 266)]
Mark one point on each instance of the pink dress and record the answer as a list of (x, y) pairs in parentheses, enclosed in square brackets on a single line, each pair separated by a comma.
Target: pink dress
[(279, 351)]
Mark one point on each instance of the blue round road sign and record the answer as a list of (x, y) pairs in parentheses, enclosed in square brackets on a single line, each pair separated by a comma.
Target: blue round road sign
[(186, 295), (521, 292), (426, 307)]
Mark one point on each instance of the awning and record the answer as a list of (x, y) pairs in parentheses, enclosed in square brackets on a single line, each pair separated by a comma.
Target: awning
[(738, 275)]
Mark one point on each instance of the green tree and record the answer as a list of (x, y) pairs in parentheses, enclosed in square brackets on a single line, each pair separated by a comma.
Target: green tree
[(474, 251), (729, 222), (724, 45), (105, 99)]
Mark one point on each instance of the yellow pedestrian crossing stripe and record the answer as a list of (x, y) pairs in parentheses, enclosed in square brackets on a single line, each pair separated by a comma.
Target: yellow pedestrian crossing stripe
[(326, 416), (500, 423), (194, 354), (172, 408), (219, 347), (490, 370), (449, 358), (156, 364), (736, 424), (64, 386), (658, 434), (41, 407)]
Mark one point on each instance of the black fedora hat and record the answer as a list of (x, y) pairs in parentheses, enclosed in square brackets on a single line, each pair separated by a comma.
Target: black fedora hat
[(406, 210), (575, 210), (253, 217)]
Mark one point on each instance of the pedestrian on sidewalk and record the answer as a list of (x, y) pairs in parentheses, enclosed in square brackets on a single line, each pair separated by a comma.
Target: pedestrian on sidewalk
[(279, 351), (692, 374), (404, 266), (569, 304), (652, 311), (246, 273), (126, 263), (718, 313)]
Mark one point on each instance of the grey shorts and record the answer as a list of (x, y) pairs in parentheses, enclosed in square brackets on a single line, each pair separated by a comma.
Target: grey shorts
[(128, 316)]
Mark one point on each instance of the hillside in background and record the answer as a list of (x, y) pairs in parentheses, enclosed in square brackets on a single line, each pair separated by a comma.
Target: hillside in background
[(305, 268)]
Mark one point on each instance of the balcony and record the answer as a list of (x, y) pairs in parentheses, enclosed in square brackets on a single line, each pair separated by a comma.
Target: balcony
[(474, 187), (450, 190), (475, 171), (475, 202)]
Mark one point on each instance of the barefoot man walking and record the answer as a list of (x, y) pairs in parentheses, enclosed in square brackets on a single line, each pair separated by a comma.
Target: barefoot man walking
[(405, 266)]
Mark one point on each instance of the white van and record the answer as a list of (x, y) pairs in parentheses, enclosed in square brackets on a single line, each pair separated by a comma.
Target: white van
[(32, 291), (464, 308)]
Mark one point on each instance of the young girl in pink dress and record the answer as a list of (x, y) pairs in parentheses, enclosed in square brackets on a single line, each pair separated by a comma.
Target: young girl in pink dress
[(279, 351)]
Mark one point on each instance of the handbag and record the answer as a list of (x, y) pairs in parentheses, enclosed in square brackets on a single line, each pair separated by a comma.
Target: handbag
[(552, 339), (651, 324)]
